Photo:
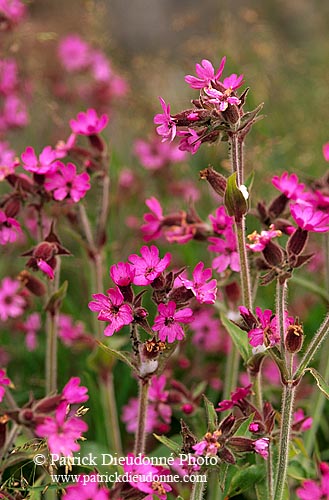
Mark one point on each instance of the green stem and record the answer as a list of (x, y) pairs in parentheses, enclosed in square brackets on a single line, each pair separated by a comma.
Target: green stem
[(51, 333), (244, 264), (257, 388), (140, 437), (51, 354), (270, 470), (198, 490), (236, 158), (109, 404), (315, 343), (281, 289), (288, 396)]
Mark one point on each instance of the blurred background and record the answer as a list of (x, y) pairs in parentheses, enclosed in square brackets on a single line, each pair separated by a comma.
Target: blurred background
[(281, 47)]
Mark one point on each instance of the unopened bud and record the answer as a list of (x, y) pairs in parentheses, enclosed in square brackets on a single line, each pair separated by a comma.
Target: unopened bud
[(235, 198), (273, 254), (297, 242), (33, 284), (294, 338), (216, 180)]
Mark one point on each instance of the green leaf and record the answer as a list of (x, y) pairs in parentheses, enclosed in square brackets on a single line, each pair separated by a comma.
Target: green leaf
[(98, 359), (320, 382), (239, 338), (125, 356), (212, 418), (169, 443), (250, 180), (245, 479), (55, 301), (243, 430)]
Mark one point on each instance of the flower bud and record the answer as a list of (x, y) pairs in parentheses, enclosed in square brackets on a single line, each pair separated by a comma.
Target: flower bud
[(34, 285), (297, 242), (235, 198), (273, 254), (216, 180), (294, 338)]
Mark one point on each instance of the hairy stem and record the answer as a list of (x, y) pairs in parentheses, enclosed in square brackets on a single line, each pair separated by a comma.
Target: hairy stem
[(315, 343), (198, 490), (140, 437), (281, 290), (244, 264), (51, 334), (288, 396)]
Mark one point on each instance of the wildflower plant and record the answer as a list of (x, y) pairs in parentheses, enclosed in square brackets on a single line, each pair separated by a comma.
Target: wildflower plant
[(200, 339)]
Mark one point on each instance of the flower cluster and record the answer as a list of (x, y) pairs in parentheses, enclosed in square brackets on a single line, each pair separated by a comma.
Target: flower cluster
[(88, 73), (171, 292), (216, 111)]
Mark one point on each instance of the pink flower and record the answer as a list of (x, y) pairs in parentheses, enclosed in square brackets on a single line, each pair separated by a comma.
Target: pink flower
[(152, 228), (112, 309), (130, 416), (8, 75), (310, 219), (100, 66), (139, 471), (233, 82), (4, 380), (73, 393), (311, 490), (204, 292), (14, 113), (239, 394), (86, 488), (149, 266), (325, 151), (31, 326), (261, 447), (66, 183), (67, 331), (10, 229), (167, 125), (227, 248), (88, 123), (267, 323), (44, 164), (221, 99), (288, 185), (74, 53), (303, 423), (179, 234), (8, 162), (158, 411), (11, 303), (209, 446), (13, 10), (191, 141), (259, 241), (206, 74), (155, 154), (61, 432), (167, 323), (221, 221), (122, 273), (208, 334)]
